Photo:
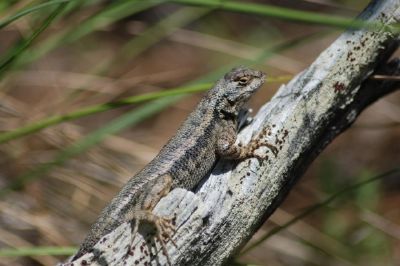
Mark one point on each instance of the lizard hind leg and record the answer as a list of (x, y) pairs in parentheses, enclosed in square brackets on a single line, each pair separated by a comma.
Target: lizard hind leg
[(153, 191)]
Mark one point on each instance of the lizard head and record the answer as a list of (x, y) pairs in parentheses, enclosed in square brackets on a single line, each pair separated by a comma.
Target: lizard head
[(239, 84)]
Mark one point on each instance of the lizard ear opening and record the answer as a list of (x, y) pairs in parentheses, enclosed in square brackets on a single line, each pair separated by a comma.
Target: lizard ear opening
[(243, 80)]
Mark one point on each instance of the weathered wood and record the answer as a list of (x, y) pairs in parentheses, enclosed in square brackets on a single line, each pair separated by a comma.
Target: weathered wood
[(304, 116)]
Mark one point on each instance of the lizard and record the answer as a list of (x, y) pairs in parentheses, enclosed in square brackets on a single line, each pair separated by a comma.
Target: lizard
[(209, 133)]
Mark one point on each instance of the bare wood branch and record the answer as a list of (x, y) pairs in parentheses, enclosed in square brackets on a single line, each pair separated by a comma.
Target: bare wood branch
[(304, 116)]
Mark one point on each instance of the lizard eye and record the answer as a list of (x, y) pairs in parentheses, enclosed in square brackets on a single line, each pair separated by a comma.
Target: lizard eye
[(243, 80)]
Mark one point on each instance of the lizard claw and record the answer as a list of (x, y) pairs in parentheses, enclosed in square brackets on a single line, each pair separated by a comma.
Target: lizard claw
[(165, 227), (273, 149)]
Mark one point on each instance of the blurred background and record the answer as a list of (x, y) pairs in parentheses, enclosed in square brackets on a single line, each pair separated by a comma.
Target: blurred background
[(65, 61)]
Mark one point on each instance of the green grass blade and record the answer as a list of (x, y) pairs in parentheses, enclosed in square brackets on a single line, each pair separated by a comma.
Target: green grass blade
[(283, 13), (105, 17), (57, 119), (19, 48), (37, 251), (76, 5), (319, 205), (29, 10)]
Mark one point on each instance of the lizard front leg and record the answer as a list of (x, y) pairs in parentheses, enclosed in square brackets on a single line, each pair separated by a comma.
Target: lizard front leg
[(227, 148), (142, 211)]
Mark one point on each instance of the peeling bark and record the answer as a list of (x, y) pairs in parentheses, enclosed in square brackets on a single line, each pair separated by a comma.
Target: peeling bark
[(304, 116)]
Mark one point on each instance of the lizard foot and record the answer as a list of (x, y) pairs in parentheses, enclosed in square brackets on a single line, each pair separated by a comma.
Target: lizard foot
[(259, 141), (165, 228)]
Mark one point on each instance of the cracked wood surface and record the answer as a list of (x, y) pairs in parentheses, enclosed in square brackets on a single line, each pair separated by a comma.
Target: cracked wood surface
[(216, 220)]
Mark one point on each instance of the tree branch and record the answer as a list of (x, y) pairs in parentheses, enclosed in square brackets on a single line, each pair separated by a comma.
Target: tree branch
[(304, 116)]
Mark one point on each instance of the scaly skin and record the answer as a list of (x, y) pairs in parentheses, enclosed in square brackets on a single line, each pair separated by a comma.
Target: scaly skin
[(207, 134)]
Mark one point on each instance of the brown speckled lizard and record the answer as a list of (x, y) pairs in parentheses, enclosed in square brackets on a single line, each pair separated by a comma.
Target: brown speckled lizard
[(207, 134)]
